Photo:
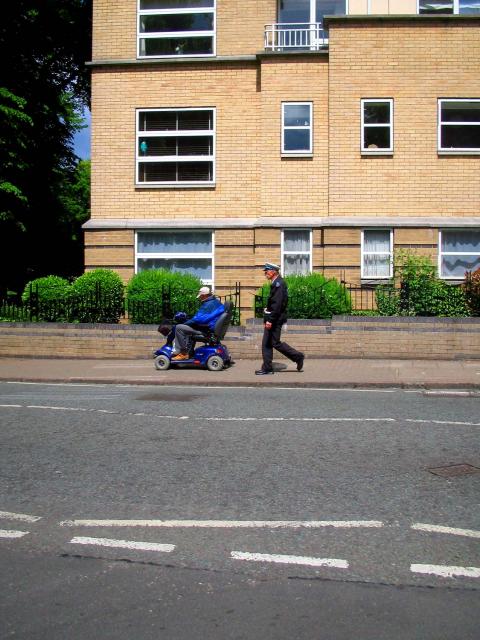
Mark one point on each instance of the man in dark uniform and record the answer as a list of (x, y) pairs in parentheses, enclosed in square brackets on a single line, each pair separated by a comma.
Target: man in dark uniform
[(275, 316)]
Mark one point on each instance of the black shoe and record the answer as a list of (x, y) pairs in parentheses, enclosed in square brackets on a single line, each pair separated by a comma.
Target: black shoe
[(300, 363), (262, 372)]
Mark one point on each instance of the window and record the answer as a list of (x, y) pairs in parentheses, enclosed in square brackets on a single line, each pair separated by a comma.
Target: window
[(176, 28), (459, 252), (180, 251), (377, 126), (449, 6), (296, 251), (377, 253), (459, 125), (176, 147), (309, 11), (297, 128)]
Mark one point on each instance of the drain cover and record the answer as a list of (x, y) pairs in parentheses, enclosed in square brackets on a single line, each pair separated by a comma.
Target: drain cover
[(455, 470)]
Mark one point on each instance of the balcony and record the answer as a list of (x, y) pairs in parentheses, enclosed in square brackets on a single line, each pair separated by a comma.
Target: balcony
[(301, 36)]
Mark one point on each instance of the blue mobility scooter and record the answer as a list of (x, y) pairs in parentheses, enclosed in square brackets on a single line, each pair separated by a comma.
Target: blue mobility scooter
[(212, 354)]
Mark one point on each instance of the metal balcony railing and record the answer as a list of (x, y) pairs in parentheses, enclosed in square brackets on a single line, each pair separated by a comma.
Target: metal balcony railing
[(308, 36)]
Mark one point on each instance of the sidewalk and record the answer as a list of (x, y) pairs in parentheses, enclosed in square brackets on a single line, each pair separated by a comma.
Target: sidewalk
[(333, 372)]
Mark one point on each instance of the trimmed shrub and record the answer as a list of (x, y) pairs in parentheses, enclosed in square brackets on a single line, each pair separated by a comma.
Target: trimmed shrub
[(311, 297), (157, 293), (47, 298), (471, 289), (98, 296)]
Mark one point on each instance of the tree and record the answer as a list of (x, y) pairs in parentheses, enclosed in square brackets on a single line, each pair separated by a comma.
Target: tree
[(44, 45)]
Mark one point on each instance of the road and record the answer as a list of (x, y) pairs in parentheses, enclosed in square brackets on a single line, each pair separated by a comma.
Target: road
[(189, 512)]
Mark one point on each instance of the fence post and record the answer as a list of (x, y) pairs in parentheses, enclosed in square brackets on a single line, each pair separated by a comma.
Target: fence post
[(238, 302), (34, 303)]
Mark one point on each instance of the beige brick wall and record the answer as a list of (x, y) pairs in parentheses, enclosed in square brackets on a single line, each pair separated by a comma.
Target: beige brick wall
[(114, 29), (240, 24), (240, 27), (230, 88), (412, 338), (414, 64), (294, 186)]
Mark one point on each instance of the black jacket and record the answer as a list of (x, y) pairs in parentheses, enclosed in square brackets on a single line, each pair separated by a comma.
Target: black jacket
[(276, 310)]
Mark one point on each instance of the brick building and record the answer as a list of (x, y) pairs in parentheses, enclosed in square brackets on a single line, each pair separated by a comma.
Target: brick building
[(322, 134)]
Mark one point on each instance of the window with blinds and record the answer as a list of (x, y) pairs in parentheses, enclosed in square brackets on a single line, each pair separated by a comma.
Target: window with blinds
[(175, 146), (174, 28)]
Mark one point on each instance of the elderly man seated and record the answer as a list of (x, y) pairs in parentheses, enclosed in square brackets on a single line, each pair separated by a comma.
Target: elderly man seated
[(204, 321)]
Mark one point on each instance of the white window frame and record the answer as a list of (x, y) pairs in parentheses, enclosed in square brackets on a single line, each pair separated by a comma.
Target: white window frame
[(364, 253), (176, 158), (177, 34), (440, 124), (177, 255), (302, 152), (441, 254), (379, 151), (456, 9), (308, 253)]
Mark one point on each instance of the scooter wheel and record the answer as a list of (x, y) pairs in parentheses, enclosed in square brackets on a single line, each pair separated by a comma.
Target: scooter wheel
[(162, 363), (215, 363)]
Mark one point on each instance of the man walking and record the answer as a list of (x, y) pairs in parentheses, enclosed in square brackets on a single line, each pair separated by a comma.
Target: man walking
[(275, 316)]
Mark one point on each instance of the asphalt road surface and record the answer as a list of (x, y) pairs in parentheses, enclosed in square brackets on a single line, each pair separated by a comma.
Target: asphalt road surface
[(189, 513)]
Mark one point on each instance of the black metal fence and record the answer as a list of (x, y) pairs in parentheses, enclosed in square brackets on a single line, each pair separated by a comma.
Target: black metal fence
[(103, 306)]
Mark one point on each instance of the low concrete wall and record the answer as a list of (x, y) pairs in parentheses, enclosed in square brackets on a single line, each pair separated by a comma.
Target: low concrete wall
[(341, 337)]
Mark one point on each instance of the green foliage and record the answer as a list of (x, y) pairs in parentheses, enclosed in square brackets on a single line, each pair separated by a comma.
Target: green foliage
[(311, 296), (44, 87), (47, 288), (416, 291), (471, 289), (15, 126), (449, 301), (98, 296), (145, 295), (388, 300), (47, 299), (75, 197), (365, 313)]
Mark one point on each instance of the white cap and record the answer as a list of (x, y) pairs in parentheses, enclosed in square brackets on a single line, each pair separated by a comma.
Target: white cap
[(204, 291)]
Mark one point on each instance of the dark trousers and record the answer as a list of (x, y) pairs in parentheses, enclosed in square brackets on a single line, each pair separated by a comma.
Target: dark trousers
[(271, 340)]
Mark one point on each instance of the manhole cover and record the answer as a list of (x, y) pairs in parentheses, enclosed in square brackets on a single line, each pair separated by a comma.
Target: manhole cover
[(455, 470)]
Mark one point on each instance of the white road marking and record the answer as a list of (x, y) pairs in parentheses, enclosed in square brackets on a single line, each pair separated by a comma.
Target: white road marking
[(227, 524), (455, 422), (245, 419), (445, 571), (11, 406), (5, 533), (292, 419), (206, 418), (444, 392), (54, 408), (435, 528), (124, 544), (281, 559), (8, 515)]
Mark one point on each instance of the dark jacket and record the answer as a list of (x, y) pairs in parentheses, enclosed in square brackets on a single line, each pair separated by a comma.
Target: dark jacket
[(207, 314), (276, 309)]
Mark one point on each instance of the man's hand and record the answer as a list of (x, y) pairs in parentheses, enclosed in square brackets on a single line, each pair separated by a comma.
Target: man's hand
[(268, 325)]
